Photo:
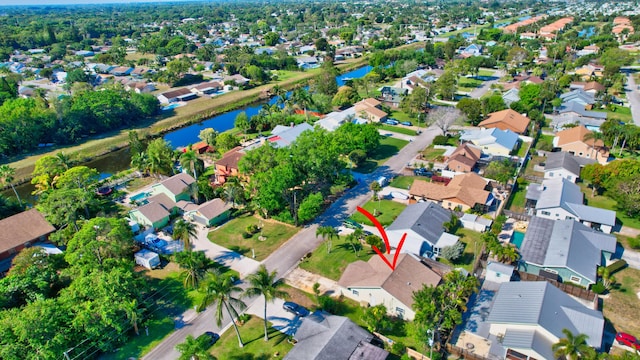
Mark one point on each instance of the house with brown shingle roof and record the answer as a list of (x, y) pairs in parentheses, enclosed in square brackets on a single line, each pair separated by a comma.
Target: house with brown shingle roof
[(507, 120), (573, 141), (228, 165), (182, 94), (370, 109), (156, 213), (211, 213), (464, 158), (591, 87), (464, 191), (374, 283), (178, 187), (22, 230)]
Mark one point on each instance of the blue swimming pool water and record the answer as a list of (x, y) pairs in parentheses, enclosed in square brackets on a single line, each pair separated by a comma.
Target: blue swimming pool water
[(139, 197), (171, 106), (516, 238)]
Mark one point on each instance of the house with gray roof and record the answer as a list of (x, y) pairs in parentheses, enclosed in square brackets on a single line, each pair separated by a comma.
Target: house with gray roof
[(511, 96), (492, 141), (558, 122), (424, 225), (561, 164), (579, 96), (560, 199), (566, 250), (283, 136), (527, 318), (323, 336), (156, 213), (576, 108)]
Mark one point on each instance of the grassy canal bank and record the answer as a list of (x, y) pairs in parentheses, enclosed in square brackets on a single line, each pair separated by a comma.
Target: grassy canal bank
[(196, 111)]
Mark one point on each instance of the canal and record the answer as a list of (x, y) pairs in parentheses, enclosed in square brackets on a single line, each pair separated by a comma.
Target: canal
[(120, 160)]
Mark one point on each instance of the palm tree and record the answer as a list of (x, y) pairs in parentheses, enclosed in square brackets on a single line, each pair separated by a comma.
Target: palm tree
[(189, 160), (353, 240), (327, 233), (133, 312), (233, 193), (507, 254), (185, 231), (264, 283), (63, 160), (302, 98), (572, 347), (194, 348), (218, 290), (6, 177), (140, 161), (194, 264), (595, 140)]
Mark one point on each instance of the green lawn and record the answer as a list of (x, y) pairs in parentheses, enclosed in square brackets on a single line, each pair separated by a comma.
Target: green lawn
[(619, 112), (517, 201), (400, 116), (623, 301), (467, 84), (229, 235), (252, 334), (405, 182), (388, 211), (333, 264), (485, 72), (470, 238), (522, 151), (605, 202), (398, 129), (544, 139), (431, 153), (389, 146)]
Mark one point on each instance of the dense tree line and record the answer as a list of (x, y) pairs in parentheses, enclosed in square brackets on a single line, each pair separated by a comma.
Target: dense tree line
[(26, 123)]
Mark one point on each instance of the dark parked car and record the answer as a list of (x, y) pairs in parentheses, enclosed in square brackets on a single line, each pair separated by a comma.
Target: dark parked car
[(392, 122), (213, 337), (422, 172), (295, 309), (406, 123), (628, 340)]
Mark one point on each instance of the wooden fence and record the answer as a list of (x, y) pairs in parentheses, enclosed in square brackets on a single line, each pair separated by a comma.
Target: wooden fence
[(463, 353), (412, 353), (567, 288), (517, 215)]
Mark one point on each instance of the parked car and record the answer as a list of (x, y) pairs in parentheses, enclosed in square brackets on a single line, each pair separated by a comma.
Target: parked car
[(351, 224), (213, 337), (392, 122), (295, 309), (406, 123), (422, 172), (628, 340)]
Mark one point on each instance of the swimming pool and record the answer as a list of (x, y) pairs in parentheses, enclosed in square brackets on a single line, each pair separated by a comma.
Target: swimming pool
[(516, 238), (172, 106), (139, 197)]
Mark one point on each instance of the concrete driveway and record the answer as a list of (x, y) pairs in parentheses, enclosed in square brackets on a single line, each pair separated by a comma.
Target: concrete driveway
[(280, 319)]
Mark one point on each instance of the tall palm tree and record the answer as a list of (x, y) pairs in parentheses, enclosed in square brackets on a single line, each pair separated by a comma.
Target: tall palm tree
[(328, 233), (194, 264), (265, 283), (572, 346), (133, 312), (233, 192), (185, 231), (189, 160), (140, 161), (353, 240), (194, 348), (303, 99), (595, 140), (219, 290), (63, 160), (7, 174)]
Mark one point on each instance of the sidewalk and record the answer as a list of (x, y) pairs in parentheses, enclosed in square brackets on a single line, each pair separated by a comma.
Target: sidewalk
[(304, 281), (235, 261)]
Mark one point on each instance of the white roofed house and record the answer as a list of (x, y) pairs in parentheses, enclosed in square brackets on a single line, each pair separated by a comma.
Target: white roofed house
[(564, 165), (182, 94), (492, 141), (560, 199), (424, 224)]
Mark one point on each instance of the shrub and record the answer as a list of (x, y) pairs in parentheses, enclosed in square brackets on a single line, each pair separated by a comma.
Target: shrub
[(398, 348), (440, 140), (246, 235), (598, 288), (453, 253), (252, 229), (634, 243), (616, 266)]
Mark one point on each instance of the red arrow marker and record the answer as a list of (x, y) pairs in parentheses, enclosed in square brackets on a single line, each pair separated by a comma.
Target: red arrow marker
[(385, 238)]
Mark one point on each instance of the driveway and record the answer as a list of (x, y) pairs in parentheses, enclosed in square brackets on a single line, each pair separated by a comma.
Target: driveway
[(280, 319), (486, 85), (238, 262), (287, 257)]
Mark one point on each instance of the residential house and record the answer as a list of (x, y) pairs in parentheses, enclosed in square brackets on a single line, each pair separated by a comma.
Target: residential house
[(565, 250), (498, 272), (561, 164), (591, 87), (392, 96), (510, 96), (579, 97), (575, 107), (472, 50), (121, 71), (369, 109), (492, 141), (588, 50), (228, 165), (140, 87), (424, 223), (156, 213), (335, 119), (589, 71), (211, 213), (207, 88), (374, 283), (463, 158), (308, 62), (178, 187), (622, 27), (573, 141), (528, 36), (464, 191), (238, 79), (322, 336), (507, 120), (283, 136), (567, 120), (475, 222), (182, 94), (22, 230), (527, 318), (550, 31), (559, 199)]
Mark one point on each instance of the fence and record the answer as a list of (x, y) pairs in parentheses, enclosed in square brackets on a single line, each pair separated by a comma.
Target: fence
[(412, 353), (464, 353), (567, 288), (517, 215)]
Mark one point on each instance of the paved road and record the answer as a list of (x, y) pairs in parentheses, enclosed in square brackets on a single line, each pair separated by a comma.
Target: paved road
[(486, 85), (286, 258), (633, 97)]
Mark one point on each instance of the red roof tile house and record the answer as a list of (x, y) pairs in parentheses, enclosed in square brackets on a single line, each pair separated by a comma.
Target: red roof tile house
[(22, 230), (464, 158), (370, 109), (573, 141), (228, 165), (507, 120)]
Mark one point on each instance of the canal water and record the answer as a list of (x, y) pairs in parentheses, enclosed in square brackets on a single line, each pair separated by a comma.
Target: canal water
[(121, 159)]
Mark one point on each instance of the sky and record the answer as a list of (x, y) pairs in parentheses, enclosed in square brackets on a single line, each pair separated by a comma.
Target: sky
[(71, 2)]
